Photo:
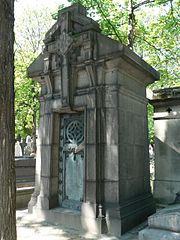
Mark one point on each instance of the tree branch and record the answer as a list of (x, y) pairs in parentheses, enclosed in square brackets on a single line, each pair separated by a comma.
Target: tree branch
[(143, 3), (172, 11), (152, 45), (108, 21), (148, 2)]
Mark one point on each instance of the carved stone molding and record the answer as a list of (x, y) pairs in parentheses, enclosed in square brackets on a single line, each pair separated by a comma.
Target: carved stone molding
[(91, 74), (64, 43)]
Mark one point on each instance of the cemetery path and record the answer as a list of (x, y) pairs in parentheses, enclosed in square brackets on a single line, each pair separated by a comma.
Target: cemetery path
[(29, 228)]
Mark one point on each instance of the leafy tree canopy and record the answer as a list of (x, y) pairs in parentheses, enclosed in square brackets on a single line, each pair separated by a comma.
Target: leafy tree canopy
[(154, 26), (29, 33)]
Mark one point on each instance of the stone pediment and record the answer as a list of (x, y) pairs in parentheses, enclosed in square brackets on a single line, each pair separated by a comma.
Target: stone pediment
[(71, 20), (78, 36), (73, 47)]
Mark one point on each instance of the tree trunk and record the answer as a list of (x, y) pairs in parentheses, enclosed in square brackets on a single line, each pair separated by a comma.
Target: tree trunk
[(7, 170), (131, 24)]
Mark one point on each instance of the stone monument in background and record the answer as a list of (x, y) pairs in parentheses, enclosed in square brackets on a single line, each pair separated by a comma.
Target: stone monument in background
[(165, 224), (92, 170), (166, 104)]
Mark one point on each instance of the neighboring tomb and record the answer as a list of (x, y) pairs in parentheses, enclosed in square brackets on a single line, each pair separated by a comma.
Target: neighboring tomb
[(166, 104), (25, 178), (92, 169)]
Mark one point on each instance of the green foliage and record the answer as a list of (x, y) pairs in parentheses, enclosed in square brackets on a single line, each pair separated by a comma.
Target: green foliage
[(26, 93), (111, 16), (156, 31), (29, 33), (55, 14), (157, 42)]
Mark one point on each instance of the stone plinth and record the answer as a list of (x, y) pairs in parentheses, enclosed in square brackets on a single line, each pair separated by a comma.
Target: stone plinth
[(92, 156), (166, 104), (163, 225), (23, 196), (154, 234)]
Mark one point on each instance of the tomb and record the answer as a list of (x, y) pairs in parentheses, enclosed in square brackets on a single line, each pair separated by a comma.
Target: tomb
[(166, 104), (92, 169)]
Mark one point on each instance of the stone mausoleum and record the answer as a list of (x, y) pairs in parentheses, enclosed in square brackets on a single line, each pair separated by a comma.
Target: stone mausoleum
[(92, 170)]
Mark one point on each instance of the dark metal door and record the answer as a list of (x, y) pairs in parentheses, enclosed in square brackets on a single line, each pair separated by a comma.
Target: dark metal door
[(71, 165)]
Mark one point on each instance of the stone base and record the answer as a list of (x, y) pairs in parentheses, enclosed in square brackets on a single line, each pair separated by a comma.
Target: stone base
[(70, 219), (118, 220), (74, 220), (158, 234), (163, 225), (136, 211), (167, 219)]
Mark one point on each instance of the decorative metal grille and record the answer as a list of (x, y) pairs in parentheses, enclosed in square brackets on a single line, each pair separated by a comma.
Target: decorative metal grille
[(75, 132)]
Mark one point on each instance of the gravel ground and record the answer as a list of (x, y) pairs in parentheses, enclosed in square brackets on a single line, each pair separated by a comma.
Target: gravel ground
[(29, 228)]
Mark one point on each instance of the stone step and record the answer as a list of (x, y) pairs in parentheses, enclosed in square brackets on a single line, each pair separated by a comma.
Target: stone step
[(166, 219), (71, 219), (68, 218), (158, 234)]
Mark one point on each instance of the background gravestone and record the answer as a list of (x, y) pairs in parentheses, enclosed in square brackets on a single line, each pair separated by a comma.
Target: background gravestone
[(92, 156), (166, 104)]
